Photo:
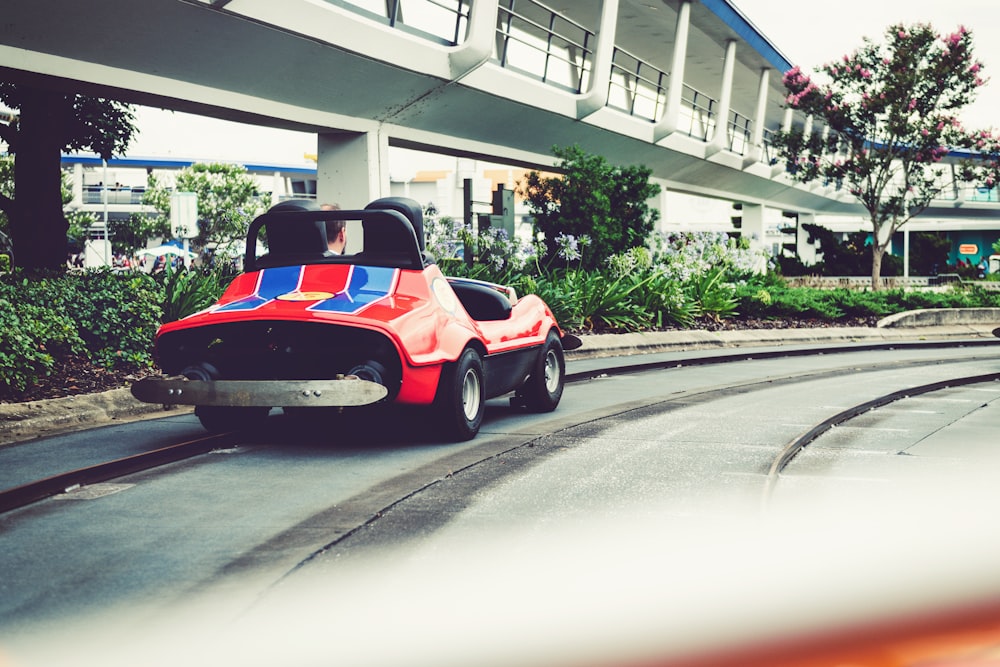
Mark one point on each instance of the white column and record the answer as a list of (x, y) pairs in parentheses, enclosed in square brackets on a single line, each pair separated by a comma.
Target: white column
[(477, 48), (752, 229), (672, 111), (351, 169), (720, 141), (906, 251), (596, 96), (786, 126), (806, 251), (659, 202), (756, 149), (277, 187), (959, 188), (77, 201)]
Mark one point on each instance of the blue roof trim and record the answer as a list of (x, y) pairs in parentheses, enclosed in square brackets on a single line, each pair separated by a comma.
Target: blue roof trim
[(176, 163), (742, 26)]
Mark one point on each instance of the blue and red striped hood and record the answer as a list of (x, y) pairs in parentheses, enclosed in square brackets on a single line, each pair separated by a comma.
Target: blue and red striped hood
[(346, 289), (308, 292)]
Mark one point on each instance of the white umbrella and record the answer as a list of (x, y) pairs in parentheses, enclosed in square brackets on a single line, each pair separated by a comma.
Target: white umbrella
[(165, 250), (235, 248)]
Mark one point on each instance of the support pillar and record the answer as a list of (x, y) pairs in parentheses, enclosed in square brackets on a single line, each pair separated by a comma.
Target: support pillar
[(756, 150), (659, 202), (720, 140), (906, 252), (670, 120), (477, 48), (596, 96), (352, 169), (752, 229), (807, 252)]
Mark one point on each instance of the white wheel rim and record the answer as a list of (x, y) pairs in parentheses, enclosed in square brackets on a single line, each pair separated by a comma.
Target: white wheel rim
[(551, 371), (470, 394)]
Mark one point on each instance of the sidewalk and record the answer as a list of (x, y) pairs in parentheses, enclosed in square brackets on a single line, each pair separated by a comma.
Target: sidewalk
[(26, 421)]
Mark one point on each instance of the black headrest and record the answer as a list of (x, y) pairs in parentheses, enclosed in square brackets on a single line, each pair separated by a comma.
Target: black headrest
[(307, 236), (295, 205), (409, 208)]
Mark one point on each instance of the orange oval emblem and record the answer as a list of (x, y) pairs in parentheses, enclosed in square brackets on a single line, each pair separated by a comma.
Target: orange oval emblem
[(305, 296)]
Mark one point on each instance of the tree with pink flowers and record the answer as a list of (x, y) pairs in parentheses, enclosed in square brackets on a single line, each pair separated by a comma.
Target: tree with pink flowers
[(883, 125)]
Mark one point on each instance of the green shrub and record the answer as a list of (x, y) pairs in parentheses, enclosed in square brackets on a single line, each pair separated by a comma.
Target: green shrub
[(31, 339), (120, 313), (710, 296), (109, 318), (665, 302), (187, 291), (608, 204)]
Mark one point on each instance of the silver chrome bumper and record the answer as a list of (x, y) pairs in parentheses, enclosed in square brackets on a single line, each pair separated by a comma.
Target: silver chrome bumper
[(349, 391)]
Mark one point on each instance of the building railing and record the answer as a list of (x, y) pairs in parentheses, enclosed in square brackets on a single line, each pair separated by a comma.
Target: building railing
[(442, 21), (739, 132), (544, 44), (636, 87), (974, 194), (94, 194), (697, 113)]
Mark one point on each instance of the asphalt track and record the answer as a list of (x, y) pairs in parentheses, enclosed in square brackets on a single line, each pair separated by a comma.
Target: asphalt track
[(430, 574)]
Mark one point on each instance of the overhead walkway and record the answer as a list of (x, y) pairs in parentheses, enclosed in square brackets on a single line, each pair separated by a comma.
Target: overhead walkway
[(690, 89)]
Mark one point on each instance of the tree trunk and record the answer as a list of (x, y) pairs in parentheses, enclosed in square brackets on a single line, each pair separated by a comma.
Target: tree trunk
[(37, 224), (878, 250)]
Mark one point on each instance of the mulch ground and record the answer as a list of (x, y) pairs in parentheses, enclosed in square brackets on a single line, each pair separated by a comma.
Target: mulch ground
[(73, 376)]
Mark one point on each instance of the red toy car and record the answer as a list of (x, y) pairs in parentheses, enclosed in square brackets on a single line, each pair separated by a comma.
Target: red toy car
[(306, 327)]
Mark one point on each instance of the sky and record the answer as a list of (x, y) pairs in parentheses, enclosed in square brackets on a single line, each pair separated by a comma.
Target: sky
[(808, 32)]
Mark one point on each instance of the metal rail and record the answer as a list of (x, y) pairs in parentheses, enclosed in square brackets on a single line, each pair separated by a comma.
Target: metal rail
[(798, 444), (44, 488)]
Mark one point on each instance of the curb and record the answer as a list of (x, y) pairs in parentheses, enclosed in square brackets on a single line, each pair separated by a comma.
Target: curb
[(35, 419), (613, 345), (943, 317)]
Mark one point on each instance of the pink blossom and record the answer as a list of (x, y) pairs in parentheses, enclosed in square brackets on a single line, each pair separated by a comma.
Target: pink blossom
[(974, 68), (912, 105)]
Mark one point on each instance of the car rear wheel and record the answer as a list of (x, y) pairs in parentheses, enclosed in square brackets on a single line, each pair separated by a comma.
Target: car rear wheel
[(220, 419), (543, 389), (461, 398)]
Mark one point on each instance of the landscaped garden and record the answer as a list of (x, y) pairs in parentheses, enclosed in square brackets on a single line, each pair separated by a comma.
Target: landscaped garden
[(87, 331)]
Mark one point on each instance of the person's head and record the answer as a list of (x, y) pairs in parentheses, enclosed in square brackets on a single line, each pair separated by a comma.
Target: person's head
[(336, 231)]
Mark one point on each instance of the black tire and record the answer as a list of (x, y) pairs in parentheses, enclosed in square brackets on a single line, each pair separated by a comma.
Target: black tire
[(543, 389), (217, 419), (461, 397)]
